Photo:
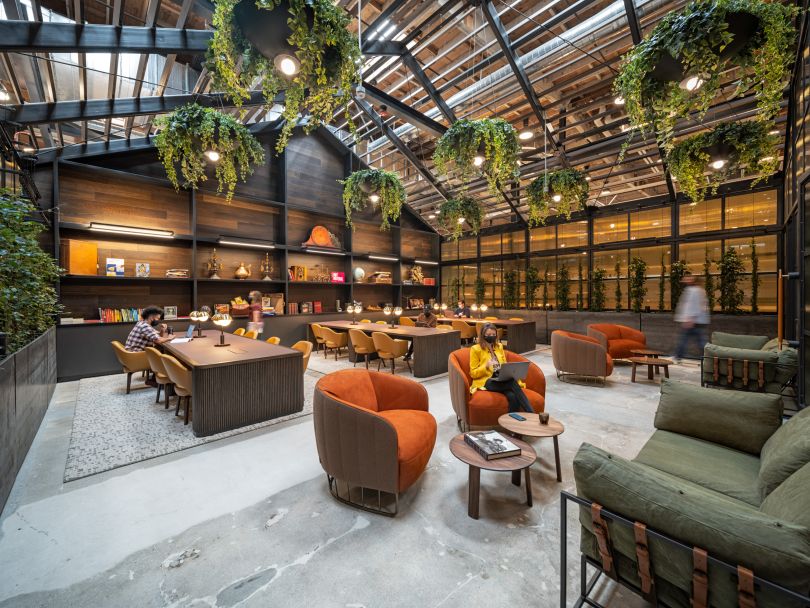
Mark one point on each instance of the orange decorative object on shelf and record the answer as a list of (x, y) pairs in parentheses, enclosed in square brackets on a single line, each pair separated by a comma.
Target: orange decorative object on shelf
[(321, 236)]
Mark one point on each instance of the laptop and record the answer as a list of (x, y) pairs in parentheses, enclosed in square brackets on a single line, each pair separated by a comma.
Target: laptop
[(516, 370), (187, 338), (190, 331)]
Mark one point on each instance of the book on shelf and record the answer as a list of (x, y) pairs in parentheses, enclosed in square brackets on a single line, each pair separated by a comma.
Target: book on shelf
[(292, 308), (222, 309), (306, 308), (115, 267), (317, 307), (491, 444), (119, 315), (142, 269)]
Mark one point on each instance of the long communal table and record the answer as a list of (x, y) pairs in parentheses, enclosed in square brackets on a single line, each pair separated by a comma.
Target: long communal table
[(521, 335), (247, 382), (431, 347)]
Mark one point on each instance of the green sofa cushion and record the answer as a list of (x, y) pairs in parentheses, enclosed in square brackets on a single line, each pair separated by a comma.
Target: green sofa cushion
[(788, 365), (712, 466), (728, 529), (721, 338), (740, 421), (785, 452), (790, 501)]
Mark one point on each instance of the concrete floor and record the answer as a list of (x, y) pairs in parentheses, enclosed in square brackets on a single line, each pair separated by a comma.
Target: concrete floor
[(248, 521)]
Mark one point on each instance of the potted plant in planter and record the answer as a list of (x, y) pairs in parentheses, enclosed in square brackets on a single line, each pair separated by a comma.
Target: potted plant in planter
[(533, 281), (708, 280), (637, 271), (662, 284), (301, 47), (677, 270), (454, 213), (378, 187), (731, 270), (563, 288), (565, 190), (192, 136), (756, 281), (598, 289), (618, 292), (545, 286), (726, 148), (480, 290), (678, 67), (488, 146), (510, 289)]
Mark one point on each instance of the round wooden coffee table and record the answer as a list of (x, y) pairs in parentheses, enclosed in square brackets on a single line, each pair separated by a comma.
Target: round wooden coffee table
[(476, 462), (531, 427), (651, 363)]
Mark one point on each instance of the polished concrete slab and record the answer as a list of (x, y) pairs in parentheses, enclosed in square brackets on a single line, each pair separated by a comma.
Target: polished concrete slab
[(248, 521)]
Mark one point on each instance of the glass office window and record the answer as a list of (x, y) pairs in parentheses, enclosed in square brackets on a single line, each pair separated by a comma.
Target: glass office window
[(449, 251), (514, 242), (700, 217), (650, 223), (491, 245), (751, 209), (654, 256), (546, 268), (607, 260), (694, 255), (766, 248), (468, 248), (610, 228), (577, 265), (543, 239), (492, 273), (572, 234)]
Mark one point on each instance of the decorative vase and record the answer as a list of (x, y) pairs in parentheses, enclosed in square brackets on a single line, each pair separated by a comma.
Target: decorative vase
[(213, 265), (243, 272), (267, 268)]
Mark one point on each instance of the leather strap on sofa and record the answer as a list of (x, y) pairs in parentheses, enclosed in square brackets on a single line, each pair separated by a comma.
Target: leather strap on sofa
[(761, 375), (600, 529), (730, 371), (716, 369), (745, 373), (700, 578), (644, 566), (745, 588)]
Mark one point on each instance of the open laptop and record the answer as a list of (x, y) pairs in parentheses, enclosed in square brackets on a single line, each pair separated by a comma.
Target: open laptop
[(187, 338), (516, 370)]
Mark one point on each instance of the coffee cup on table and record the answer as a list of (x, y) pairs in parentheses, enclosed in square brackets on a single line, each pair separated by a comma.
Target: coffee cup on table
[(544, 418)]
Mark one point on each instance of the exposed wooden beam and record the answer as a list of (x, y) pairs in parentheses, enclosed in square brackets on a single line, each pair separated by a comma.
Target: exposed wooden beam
[(405, 112)]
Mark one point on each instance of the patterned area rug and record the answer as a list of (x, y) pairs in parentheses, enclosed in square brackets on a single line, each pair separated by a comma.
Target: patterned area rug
[(112, 429)]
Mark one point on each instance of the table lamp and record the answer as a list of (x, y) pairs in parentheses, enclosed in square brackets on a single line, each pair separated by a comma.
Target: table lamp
[(474, 309), (221, 320), (387, 312), (483, 308), (205, 310), (358, 308), (350, 310), (198, 317), (397, 314), (444, 309)]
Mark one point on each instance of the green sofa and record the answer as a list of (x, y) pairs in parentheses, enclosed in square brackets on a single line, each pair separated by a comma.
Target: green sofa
[(722, 473)]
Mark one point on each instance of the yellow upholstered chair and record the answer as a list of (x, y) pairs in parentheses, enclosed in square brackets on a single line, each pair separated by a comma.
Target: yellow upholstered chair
[(490, 318), (161, 377), (277, 340), (131, 361), (333, 340), (182, 380), (305, 346), (388, 348), (239, 332), (467, 330), (252, 334), (365, 320), (362, 345), (444, 327), (316, 332), (515, 318), (407, 322), (381, 322)]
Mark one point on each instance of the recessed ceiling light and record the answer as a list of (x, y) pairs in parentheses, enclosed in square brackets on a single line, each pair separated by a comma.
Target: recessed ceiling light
[(524, 135), (587, 178), (766, 158), (774, 132)]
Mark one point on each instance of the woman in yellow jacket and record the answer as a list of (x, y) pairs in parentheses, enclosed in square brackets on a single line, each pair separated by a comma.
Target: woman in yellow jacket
[(486, 359)]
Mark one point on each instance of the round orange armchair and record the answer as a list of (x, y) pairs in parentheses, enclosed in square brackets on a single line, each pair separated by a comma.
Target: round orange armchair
[(618, 340)]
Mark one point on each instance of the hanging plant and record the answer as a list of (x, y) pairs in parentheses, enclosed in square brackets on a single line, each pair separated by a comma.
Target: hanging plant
[(456, 212), (678, 67), (488, 146), (191, 133), (728, 147), (301, 47), (618, 293), (565, 190), (375, 186)]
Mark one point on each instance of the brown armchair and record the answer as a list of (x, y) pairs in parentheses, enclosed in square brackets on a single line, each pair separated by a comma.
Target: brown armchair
[(618, 340), (578, 355), (373, 431), (131, 361), (485, 407)]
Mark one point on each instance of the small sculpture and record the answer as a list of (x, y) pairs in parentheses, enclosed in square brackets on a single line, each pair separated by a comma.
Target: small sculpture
[(267, 268), (243, 272), (213, 265), (416, 275)]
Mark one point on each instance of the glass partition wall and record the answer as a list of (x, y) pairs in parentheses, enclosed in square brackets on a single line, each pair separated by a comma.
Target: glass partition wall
[(562, 259)]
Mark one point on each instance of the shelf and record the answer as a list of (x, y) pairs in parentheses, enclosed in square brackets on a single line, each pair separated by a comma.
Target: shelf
[(323, 283), (104, 236), (94, 322), (93, 277), (377, 284), (202, 280), (419, 285)]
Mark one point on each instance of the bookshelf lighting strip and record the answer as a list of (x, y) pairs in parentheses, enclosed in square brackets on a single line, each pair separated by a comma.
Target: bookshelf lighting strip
[(383, 258), (426, 262), (324, 251), (131, 230), (245, 244)]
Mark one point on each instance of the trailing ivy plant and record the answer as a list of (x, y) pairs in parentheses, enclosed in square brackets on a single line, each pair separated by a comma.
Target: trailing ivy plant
[(618, 292), (696, 38), (492, 138), (327, 52), (569, 185), (750, 146), (731, 270), (480, 290), (533, 282), (677, 271), (756, 281), (598, 289), (637, 283), (463, 207), (188, 133), (545, 286), (662, 284), (708, 280), (563, 288), (511, 293), (361, 185), (28, 303)]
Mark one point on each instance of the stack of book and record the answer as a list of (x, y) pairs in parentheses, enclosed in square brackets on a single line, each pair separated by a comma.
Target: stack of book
[(119, 315), (491, 444)]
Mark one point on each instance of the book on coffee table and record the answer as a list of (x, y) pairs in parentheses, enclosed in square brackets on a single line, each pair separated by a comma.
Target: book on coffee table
[(491, 444)]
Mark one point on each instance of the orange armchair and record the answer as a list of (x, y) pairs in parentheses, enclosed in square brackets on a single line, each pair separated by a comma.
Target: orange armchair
[(485, 407), (131, 361), (618, 340), (373, 431), (578, 355)]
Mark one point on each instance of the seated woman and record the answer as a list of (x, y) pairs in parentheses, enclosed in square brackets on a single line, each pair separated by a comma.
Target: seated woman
[(486, 359)]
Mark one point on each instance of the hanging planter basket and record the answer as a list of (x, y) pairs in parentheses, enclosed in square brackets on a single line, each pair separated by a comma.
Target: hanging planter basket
[(492, 140), (301, 47), (191, 131), (362, 186), (565, 190), (702, 162), (457, 212), (698, 44)]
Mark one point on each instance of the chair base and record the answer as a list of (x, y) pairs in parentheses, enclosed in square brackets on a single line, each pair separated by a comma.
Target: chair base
[(583, 380), (334, 490)]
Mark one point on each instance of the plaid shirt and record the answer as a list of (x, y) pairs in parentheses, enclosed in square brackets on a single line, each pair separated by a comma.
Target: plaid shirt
[(141, 336)]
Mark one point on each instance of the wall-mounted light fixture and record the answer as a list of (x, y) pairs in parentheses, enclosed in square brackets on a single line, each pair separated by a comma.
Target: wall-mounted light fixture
[(132, 230)]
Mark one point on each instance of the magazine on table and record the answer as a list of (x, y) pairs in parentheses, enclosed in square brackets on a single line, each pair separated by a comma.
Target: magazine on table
[(491, 444)]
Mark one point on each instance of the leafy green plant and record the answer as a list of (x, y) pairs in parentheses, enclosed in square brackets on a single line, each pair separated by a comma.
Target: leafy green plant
[(327, 52), (480, 290), (750, 145), (361, 186), (662, 284), (731, 270), (618, 292), (756, 281), (598, 289), (493, 139), (455, 289), (637, 283), (565, 190), (545, 286), (696, 38), (563, 288), (28, 303), (189, 134), (462, 207), (533, 282), (511, 293), (677, 270), (580, 287), (708, 281)]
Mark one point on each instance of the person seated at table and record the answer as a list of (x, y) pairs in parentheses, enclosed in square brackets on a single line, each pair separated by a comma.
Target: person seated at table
[(426, 318), (462, 310), (486, 358), (148, 331)]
